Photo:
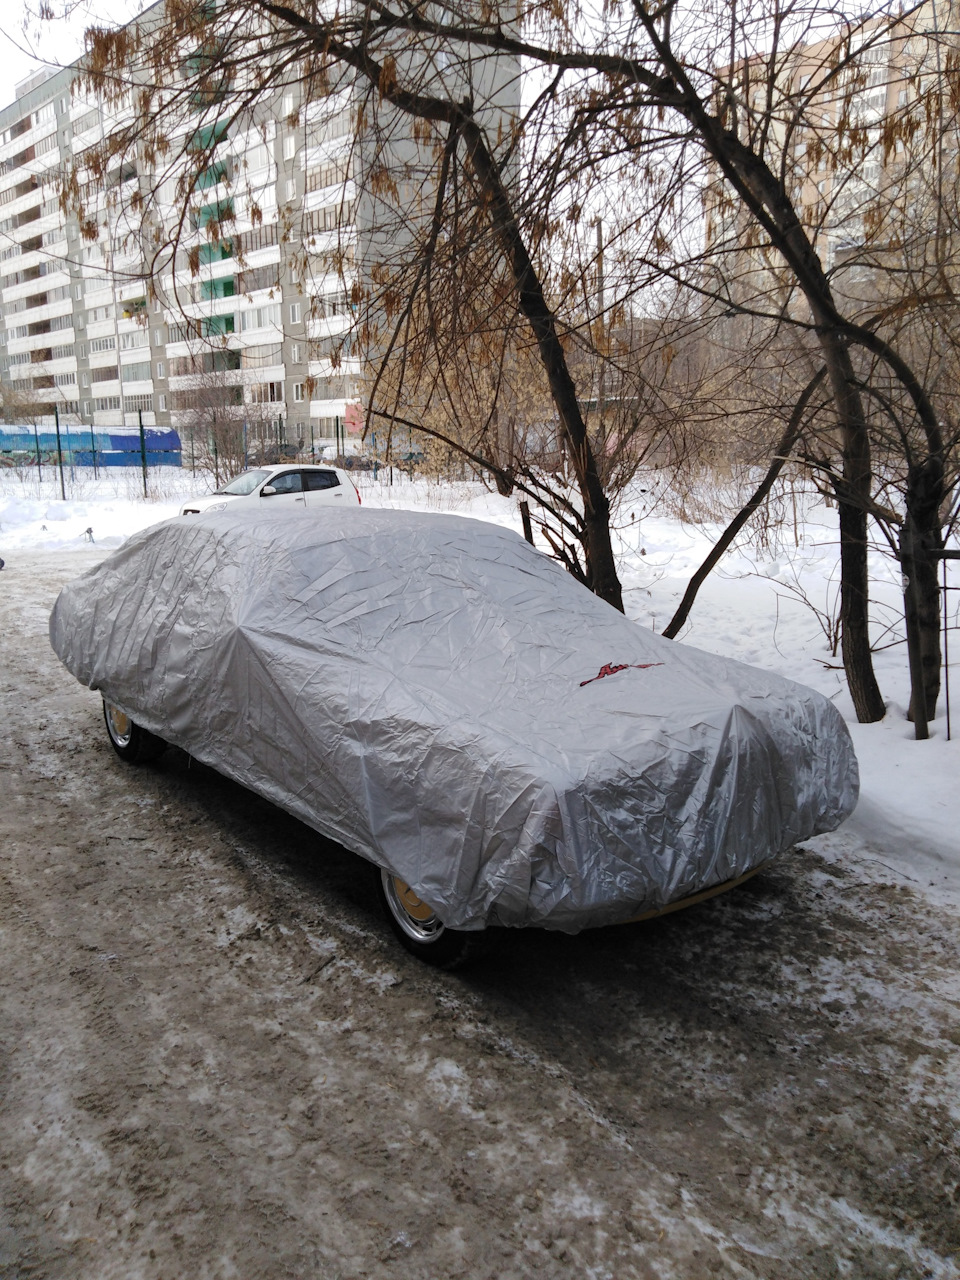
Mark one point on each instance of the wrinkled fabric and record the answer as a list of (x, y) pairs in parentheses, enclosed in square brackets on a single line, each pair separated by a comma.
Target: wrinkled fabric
[(439, 697)]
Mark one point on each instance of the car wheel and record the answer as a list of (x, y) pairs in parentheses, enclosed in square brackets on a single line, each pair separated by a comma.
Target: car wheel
[(131, 743), (420, 930)]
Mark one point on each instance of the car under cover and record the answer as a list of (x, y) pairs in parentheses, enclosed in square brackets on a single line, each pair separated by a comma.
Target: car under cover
[(440, 697)]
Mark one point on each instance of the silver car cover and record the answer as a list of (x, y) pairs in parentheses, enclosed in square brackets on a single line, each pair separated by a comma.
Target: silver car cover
[(441, 698)]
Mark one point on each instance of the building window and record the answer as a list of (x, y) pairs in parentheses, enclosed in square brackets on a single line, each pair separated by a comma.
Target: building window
[(157, 337), (161, 369), (163, 403), (289, 146), (294, 312), (216, 326), (291, 189), (218, 212), (298, 391), (295, 353), (222, 287), (266, 393), (261, 317)]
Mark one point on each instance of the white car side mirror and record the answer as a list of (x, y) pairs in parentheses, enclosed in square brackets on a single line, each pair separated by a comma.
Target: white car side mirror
[(267, 490)]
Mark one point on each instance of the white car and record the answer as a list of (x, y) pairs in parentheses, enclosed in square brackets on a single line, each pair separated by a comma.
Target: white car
[(290, 485)]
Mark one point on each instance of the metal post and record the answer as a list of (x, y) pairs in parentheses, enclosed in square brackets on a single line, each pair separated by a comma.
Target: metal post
[(36, 440), (526, 521), (56, 419), (93, 453), (946, 648), (313, 456), (143, 451)]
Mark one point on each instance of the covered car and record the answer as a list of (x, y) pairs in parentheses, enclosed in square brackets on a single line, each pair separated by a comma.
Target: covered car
[(441, 698)]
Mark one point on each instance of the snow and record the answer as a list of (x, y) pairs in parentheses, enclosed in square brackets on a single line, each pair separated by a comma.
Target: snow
[(770, 607)]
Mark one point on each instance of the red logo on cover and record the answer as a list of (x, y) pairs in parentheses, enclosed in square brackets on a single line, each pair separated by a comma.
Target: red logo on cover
[(611, 669)]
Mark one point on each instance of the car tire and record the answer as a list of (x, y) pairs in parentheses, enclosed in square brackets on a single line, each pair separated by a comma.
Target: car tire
[(420, 931), (132, 743)]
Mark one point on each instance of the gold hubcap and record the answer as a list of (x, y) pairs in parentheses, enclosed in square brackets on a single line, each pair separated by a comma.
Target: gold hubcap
[(120, 722), (119, 725), (413, 906)]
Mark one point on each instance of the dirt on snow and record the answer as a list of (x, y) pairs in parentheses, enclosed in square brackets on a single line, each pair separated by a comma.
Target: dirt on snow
[(215, 1062)]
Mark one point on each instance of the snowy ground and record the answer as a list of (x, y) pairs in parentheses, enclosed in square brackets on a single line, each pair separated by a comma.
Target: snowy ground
[(768, 609)]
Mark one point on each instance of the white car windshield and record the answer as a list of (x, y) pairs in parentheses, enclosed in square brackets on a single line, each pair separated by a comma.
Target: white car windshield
[(246, 482)]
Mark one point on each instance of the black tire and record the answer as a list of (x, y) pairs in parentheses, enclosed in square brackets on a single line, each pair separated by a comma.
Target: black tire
[(419, 930), (131, 743)]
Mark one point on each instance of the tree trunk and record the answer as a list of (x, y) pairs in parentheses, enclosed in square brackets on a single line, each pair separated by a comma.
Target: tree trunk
[(853, 497), (928, 623), (597, 546), (601, 567), (854, 595), (923, 497), (768, 202), (603, 579)]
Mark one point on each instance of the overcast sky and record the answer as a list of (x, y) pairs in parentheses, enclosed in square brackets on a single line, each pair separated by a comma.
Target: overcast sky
[(26, 45)]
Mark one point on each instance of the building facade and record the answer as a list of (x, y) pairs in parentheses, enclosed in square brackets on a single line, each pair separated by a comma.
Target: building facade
[(860, 130), (232, 329), (247, 321)]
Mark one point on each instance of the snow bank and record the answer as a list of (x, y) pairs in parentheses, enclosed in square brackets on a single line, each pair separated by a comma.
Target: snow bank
[(34, 517)]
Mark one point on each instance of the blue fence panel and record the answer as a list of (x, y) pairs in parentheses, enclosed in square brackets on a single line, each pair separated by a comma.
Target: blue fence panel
[(77, 445), (127, 458)]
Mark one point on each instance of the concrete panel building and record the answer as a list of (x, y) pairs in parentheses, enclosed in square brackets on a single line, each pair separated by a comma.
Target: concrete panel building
[(252, 321)]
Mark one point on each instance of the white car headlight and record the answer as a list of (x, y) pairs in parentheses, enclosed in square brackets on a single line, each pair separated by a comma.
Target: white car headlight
[(218, 506)]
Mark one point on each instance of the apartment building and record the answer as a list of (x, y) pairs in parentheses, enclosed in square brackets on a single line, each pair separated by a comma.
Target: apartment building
[(851, 123), (83, 332), (250, 325)]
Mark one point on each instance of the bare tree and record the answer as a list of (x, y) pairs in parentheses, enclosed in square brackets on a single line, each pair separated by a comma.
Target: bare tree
[(210, 414), (15, 406), (692, 135)]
